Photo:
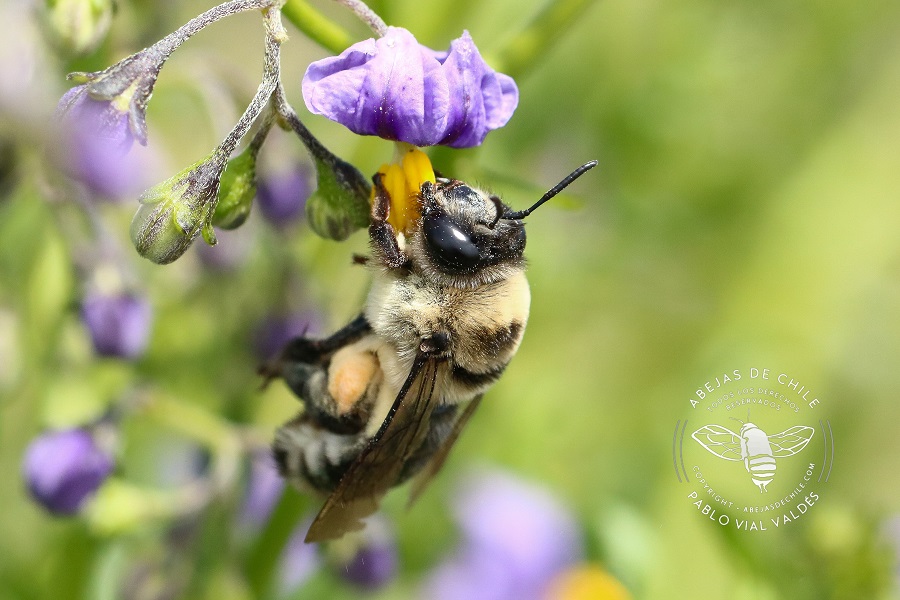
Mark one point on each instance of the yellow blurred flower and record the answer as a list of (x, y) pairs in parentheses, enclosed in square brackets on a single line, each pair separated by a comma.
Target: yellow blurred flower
[(586, 582)]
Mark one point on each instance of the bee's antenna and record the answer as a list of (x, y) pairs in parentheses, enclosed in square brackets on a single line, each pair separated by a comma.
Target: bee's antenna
[(521, 214), (739, 421)]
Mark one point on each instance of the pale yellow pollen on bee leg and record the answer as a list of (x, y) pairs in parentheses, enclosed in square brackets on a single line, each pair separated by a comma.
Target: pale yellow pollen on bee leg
[(349, 376)]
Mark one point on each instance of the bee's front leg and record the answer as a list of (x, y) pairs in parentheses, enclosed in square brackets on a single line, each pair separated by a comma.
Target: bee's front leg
[(381, 233)]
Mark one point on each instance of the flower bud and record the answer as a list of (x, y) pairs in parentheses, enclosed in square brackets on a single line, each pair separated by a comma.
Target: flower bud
[(64, 468), (127, 85), (236, 191), (173, 213), (119, 324), (78, 26), (340, 205)]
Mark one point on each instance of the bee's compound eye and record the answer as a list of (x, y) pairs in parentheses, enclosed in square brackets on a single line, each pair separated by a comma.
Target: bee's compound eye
[(452, 246)]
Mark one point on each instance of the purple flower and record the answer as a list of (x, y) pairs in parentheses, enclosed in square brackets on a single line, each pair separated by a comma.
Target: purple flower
[(63, 468), (264, 488), (515, 538), (119, 325), (299, 560), (282, 196), (374, 564), (99, 139), (396, 89)]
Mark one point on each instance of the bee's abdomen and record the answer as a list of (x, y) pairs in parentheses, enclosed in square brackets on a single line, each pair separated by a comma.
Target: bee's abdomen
[(472, 380), (312, 457), (762, 469)]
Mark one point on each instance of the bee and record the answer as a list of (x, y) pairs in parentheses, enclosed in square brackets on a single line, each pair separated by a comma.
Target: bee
[(754, 447), (386, 397)]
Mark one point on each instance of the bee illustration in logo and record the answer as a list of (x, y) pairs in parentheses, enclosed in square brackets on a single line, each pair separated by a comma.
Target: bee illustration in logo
[(754, 447), (386, 396)]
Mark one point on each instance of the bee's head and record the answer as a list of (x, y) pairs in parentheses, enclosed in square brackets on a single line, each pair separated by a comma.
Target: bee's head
[(467, 237)]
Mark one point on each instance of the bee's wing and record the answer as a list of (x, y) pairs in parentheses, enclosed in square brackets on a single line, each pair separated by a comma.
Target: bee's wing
[(790, 441), (719, 440), (437, 461), (378, 466)]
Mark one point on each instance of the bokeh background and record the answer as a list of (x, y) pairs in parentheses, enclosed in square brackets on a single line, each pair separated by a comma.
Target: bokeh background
[(744, 213)]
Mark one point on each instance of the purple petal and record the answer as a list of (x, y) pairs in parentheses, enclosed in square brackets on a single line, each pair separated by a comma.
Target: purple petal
[(119, 325), (63, 468), (521, 522), (399, 90), (299, 560), (515, 538), (375, 562), (264, 488), (98, 139), (373, 567), (472, 574)]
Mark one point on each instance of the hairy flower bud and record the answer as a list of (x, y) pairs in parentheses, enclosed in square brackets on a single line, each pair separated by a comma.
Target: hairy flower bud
[(78, 26), (236, 191), (173, 213), (340, 204), (64, 468)]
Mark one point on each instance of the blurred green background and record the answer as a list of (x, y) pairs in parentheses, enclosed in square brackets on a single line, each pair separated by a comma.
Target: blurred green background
[(744, 213)]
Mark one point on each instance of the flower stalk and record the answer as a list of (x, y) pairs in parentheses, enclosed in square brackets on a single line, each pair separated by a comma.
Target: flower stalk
[(175, 212), (129, 83), (367, 16), (340, 204), (316, 26)]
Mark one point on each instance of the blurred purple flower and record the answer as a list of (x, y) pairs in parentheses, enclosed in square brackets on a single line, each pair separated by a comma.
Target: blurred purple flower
[(99, 139), (397, 89), (281, 196), (515, 538), (119, 325), (299, 560), (374, 564), (274, 332), (63, 468), (373, 567), (264, 488)]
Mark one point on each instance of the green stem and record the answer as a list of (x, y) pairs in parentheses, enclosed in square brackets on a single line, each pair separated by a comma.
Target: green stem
[(264, 558), (192, 421), (316, 26), (527, 46)]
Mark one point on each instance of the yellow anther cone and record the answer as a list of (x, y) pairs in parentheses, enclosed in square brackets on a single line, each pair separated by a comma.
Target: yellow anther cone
[(402, 179)]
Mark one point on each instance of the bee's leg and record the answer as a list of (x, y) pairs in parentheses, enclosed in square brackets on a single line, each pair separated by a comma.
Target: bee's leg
[(312, 457), (381, 233), (337, 396), (313, 352)]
